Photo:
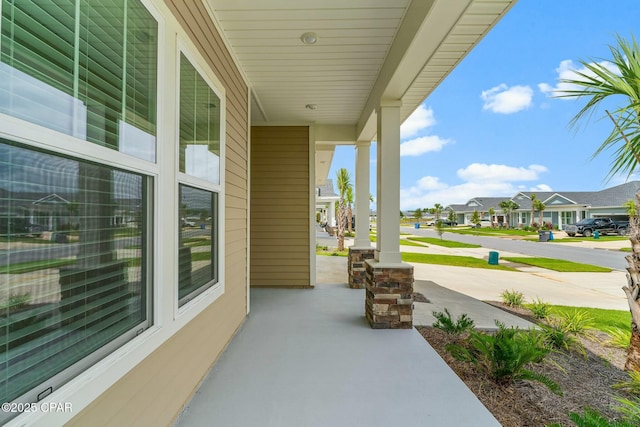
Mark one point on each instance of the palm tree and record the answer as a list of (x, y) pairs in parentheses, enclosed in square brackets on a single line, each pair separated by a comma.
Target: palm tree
[(631, 208), (344, 182), (603, 81), (539, 206), (437, 209), (507, 207), (533, 207), (492, 212), (349, 200)]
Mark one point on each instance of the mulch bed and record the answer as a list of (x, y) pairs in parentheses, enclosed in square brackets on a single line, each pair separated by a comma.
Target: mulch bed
[(585, 379)]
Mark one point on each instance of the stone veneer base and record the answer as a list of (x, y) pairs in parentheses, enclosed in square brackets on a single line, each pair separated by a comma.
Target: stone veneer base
[(389, 302), (356, 266)]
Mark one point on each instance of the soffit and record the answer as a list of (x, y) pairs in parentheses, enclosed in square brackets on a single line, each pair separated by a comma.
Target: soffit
[(367, 51)]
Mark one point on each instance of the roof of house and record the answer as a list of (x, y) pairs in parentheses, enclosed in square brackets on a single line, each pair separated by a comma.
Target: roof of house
[(326, 190), (613, 196)]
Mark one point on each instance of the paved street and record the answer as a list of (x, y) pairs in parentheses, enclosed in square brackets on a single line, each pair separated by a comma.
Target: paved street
[(585, 252)]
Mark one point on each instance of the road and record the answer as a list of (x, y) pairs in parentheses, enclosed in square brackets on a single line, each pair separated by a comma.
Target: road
[(601, 257)]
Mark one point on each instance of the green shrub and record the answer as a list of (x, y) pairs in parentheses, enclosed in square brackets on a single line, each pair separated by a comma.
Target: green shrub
[(592, 418), (512, 298), (619, 337), (539, 308), (559, 339), (576, 321), (630, 410), (503, 356), (632, 386), (445, 323)]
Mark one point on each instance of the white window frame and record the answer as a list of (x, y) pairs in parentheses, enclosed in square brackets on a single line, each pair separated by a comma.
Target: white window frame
[(194, 306)]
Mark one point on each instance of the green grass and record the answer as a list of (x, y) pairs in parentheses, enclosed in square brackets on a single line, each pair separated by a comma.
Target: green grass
[(558, 265), (452, 260), (405, 242), (332, 253), (603, 319), (441, 242), (28, 267), (492, 231)]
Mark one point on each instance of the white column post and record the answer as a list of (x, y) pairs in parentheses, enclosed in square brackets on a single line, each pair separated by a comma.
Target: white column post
[(362, 194), (388, 183), (332, 214)]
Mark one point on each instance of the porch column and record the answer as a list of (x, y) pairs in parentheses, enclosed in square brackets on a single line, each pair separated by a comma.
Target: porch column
[(332, 214), (362, 194), (389, 303), (388, 183), (361, 249)]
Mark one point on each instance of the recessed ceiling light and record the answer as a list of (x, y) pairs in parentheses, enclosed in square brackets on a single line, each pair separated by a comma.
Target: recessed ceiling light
[(311, 106), (309, 38)]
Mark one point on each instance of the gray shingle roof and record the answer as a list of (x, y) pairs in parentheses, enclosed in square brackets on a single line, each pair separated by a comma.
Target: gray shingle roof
[(614, 196), (327, 190)]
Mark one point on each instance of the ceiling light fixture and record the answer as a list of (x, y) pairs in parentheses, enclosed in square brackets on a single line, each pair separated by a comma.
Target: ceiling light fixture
[(311, 107), (309, 38)]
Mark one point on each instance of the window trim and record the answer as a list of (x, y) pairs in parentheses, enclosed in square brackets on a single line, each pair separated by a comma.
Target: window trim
[(201, 301)]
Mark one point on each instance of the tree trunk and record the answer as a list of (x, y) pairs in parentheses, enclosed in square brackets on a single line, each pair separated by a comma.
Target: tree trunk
[(341, 215), (632, 290), (349, 218)]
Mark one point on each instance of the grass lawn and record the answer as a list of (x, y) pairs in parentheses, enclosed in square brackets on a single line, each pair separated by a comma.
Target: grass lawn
[(445, 243), (492, 231), (408, 242), (452, 260), (603, 320), (558, 265), (584, 239), (331, 253)]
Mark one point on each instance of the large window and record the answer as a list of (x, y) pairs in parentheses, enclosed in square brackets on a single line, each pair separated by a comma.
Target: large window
[(75, 244), (73, 266), (81, 67), (199, 166)]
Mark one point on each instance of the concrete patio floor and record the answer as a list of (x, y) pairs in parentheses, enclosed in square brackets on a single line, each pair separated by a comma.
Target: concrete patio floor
[(309, 358)]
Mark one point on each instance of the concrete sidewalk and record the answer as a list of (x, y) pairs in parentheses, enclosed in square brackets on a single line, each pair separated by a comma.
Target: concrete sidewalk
[(463, 290)]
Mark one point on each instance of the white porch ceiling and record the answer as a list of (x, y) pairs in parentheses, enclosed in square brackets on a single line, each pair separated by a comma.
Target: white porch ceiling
[(367, 51)]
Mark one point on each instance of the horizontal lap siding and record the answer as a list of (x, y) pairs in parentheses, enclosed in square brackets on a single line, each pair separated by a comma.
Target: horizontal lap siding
[(156, 390), (280, 206)]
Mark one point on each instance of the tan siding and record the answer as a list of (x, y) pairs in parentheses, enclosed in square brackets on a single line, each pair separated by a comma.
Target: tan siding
[(280, 206), (156, 390)]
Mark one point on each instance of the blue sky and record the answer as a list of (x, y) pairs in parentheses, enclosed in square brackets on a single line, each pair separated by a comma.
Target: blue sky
[(491, 128)]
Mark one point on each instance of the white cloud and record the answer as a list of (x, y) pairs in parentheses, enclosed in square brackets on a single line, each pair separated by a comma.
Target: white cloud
[(421, 119), (568, 71), (479, 172), (479, 180), (423, 144), (507, 100)]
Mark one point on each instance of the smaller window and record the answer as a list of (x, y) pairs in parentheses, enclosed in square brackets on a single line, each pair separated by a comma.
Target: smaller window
[(198, 242), (199, 125)]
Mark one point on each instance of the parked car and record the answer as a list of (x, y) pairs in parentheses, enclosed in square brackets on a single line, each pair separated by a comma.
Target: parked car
[(602, 225), (448, 223)]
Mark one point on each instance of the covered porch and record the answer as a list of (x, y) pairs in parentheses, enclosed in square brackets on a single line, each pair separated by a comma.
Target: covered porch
[(310, 359)]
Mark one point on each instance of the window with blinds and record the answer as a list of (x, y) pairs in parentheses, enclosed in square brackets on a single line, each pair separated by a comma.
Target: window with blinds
[(74, 256), (199, 164), (85, 68)]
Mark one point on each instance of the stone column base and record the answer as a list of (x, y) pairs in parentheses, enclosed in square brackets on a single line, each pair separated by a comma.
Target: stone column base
[(389, 302), (356, 267)]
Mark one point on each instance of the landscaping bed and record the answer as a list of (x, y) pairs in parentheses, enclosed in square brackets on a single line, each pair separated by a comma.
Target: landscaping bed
[(586, 381)]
